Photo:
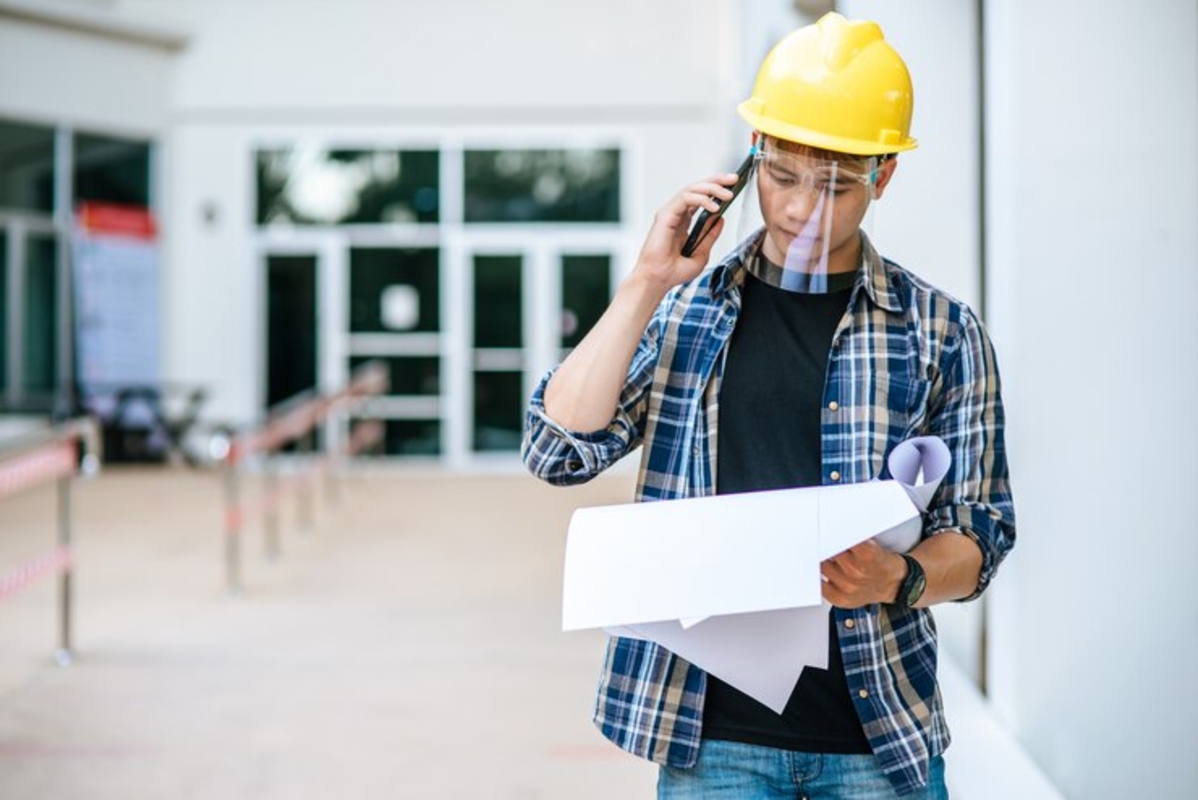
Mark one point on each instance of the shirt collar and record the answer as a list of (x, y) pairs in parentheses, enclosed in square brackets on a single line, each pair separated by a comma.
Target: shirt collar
[(730, 272), (876, 278)]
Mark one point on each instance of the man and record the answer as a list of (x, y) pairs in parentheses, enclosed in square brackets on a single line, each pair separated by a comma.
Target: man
[(801, 359)]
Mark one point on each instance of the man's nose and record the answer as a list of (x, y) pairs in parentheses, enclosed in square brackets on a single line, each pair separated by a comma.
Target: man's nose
[(804, 202)]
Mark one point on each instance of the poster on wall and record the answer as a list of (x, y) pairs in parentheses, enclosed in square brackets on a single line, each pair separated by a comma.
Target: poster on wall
[(116, 291), (116, 297)]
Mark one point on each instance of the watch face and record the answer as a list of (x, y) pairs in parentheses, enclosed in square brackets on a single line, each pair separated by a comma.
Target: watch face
[(915, 591), (914, 584)]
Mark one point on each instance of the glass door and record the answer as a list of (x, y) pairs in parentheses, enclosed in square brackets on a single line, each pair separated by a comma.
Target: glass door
[(530, 303), (33, 296), (394, 314), (468, 269), (498, 359), (292, 336)]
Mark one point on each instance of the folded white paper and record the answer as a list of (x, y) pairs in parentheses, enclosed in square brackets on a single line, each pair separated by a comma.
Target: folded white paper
[(731, 583), (762, 653), (649, 562)]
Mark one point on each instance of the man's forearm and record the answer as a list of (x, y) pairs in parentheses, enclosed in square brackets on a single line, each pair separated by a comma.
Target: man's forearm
[(584, 392)]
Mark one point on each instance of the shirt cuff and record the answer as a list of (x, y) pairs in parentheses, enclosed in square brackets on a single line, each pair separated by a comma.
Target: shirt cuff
[(984, 526)]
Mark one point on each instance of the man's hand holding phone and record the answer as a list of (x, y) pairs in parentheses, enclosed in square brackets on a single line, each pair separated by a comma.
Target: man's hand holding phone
[(661, 260), (705, 223), (587, 385)]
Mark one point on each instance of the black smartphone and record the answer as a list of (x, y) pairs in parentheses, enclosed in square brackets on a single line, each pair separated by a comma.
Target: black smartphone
[(705, 219)]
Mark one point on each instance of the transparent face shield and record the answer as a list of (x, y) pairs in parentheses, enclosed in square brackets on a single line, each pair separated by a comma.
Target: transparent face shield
[(811, 209)]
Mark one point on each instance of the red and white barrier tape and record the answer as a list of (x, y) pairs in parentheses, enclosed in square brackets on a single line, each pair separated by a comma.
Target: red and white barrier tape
[(23, 471), (364, 435), (56, 560), (278, 432), (298, 421), (267, 501)]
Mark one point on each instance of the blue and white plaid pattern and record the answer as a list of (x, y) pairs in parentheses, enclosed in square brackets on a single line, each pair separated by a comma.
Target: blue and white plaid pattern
[(906, 360)]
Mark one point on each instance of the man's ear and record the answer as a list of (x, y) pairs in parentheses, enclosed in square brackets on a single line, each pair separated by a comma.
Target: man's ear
[(885, 173)]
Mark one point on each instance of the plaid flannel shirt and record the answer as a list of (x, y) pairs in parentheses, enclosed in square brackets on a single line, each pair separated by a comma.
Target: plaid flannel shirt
[(906, 360)]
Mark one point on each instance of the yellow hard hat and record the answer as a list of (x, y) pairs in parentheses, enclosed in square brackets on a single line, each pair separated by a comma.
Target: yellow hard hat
[(836, 85)]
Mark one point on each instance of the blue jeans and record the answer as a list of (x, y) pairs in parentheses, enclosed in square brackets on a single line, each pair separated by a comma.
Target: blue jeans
[(734, 771)]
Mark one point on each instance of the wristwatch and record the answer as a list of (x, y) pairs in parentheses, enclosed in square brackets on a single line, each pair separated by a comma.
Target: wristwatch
[(912, 586)]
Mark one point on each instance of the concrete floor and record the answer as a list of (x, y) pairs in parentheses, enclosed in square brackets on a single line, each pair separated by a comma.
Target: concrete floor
[(408, 646)]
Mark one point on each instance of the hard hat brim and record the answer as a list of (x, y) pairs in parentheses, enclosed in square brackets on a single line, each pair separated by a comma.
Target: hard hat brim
[(793, 133)]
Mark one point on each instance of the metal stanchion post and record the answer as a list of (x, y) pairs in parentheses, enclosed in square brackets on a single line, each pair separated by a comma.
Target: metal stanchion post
[(63, 656), (347, 454), (270, 491), (233, 520), (332, 458), (304, 447)]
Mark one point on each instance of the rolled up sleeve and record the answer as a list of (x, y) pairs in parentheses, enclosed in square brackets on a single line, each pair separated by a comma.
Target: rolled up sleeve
[(975, 496), (563, 457)]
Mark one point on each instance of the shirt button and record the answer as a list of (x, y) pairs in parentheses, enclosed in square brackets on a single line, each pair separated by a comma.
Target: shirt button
[(850, 624), (834, 475), (863, 694), (833, 406)]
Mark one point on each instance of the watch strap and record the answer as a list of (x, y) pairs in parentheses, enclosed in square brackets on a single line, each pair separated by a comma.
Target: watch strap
[(912, 586)]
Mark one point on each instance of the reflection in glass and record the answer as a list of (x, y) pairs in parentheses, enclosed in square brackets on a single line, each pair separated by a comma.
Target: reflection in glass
[(410, 375), (498, 411), (372, 270), (586, 290), (316, 186), (41, 315), (3, 310), (112, 170), (26, 167), (412, 437), (497, 301), (542, 185)]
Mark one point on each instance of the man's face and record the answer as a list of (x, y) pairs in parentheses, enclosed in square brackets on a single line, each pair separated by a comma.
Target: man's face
[(813, 204)]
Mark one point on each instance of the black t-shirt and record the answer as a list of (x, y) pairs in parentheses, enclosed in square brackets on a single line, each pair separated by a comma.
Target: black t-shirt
[(769, 438)]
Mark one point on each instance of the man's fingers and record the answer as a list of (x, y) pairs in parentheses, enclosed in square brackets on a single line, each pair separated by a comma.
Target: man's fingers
[(846, 566), (708, 200), (838, 598), (703, 250)]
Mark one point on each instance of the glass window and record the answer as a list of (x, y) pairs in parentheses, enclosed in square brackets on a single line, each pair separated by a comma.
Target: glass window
[(26, 167), (3, 310), (394, 290), (498, 309), (291, 330), (586, 290), (112, 170), (542, 186), (498, 411), (412, 437), (315, 186), (418, 375), (41, 315)]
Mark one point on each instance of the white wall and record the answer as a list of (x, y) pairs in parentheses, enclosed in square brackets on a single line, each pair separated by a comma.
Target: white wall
[(1093, 230), (930, 218), (386, 71), (58, 76)]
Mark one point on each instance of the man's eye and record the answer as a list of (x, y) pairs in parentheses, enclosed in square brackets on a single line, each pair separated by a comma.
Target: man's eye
[(782, 178)]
